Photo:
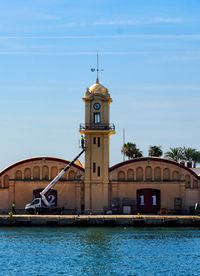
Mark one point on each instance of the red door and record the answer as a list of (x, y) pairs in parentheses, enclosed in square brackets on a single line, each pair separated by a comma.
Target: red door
[(148, 201)]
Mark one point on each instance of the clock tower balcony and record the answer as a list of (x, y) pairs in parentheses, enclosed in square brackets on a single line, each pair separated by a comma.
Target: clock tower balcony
[(107, 128)]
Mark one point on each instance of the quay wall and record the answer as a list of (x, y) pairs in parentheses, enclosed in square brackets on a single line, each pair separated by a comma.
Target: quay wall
[(99, 220)]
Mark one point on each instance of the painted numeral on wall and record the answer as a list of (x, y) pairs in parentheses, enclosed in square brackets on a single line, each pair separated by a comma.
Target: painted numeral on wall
[(142, 200), (154, 200), (51, 200)]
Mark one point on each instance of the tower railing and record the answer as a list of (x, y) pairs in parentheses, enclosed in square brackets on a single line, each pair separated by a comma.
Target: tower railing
[(97, 126)]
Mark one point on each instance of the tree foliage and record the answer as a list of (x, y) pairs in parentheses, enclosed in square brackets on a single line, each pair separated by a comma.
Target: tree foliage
[(178, 154), (184, 154), (188, 154), (131, 151), (175, 154), (155, 151), (196, 158)]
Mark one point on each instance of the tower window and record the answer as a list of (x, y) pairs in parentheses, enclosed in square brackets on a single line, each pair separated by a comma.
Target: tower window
[(98, 172), (94, 167), (94, 140), (99, 142), (97, 118)]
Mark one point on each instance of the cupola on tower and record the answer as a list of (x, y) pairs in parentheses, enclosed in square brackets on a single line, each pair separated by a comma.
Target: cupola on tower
[(97, 130)]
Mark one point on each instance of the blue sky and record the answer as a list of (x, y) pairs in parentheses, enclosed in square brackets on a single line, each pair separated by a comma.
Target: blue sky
[(150, 53)]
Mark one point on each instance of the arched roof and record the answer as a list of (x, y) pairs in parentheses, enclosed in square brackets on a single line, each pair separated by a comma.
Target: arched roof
[(158, 159), (39, 159)]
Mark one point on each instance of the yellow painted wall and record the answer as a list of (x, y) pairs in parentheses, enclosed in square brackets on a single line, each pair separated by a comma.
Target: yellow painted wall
[(21, 190), (183, 187), (4, 199), (71, 194)]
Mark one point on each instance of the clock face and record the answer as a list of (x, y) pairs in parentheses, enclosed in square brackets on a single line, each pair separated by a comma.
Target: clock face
[(97, 106)]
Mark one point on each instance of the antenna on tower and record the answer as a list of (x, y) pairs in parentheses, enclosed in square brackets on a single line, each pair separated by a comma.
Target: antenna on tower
[(97, 68), (124, 142)]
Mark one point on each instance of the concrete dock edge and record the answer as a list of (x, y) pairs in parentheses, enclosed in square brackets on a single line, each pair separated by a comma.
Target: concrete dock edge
[(99, 220)]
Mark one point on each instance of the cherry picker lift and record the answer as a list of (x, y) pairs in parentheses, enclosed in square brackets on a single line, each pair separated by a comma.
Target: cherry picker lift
[(41, 205)]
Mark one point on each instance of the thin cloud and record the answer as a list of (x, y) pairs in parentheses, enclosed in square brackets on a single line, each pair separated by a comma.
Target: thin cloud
[(145, 21), (76, 53), (171, 20), (26, 16), (169, 105), (22, 14), (183, 57), (45, 53), (86, 37), (44, 16), (152, 55), (132, 22), (165, 87)]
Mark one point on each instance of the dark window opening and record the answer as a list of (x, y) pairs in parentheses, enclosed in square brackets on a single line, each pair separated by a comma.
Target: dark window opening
[(99, 141), (98, 173), (94, 140), (94, 167)]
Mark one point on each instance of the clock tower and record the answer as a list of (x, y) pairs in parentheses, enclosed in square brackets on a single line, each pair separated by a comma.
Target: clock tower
[(97, 130)]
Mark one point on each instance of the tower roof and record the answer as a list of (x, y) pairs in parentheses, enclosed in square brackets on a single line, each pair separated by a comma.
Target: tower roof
[(98, 88)]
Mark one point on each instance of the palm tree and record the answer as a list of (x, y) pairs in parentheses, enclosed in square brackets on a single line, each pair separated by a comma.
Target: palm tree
[(175, 154), (188, 154), (155, 151), (131, 150), (196, 158), (191, 155), (185, 154)]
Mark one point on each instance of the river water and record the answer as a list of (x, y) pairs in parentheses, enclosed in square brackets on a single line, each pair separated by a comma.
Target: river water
[(99, 251)]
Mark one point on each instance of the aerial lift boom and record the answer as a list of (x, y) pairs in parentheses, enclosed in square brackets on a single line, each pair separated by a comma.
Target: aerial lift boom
[(41, 204), (56, 179)]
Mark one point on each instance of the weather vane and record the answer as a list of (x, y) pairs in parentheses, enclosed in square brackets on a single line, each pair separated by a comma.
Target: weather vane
[(97, 69)]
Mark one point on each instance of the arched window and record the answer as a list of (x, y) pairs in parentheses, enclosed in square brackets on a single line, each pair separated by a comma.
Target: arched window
[(6, 181), (187, 182), (166, 174), (45, 173), (64, 177), (27, 174), (139, 174), (195, 184), (96, 117), (121, 176), (54, 172), (130, 174), (148, 173), (79, 175), (18, 175), (157, 174), (36, 173), (176, 176), (71, 175)]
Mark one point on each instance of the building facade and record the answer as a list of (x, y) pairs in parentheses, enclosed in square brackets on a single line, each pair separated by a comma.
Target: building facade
[(23, 181), (144, 185)]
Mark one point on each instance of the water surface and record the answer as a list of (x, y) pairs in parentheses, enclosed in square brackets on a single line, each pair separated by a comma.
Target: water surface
[(99, 251)]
